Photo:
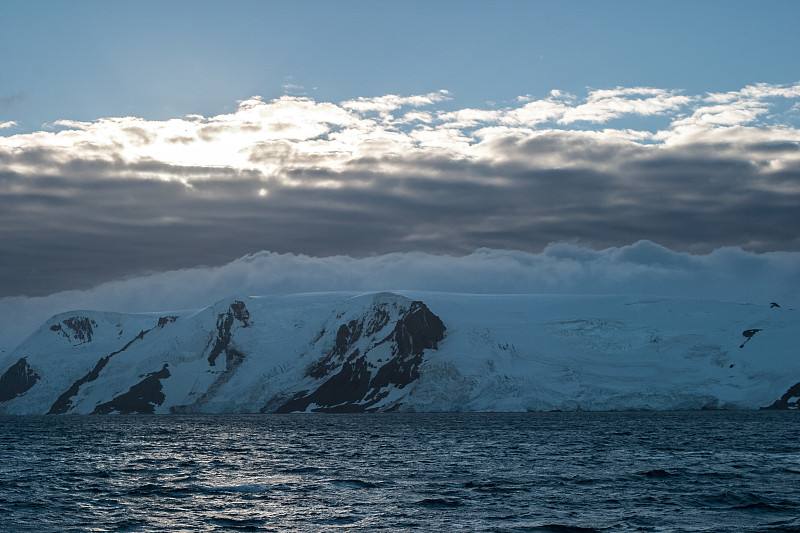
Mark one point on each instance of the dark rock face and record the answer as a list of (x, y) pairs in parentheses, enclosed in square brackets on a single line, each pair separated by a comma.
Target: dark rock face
[(17, 380), (164, 320), (346, 336), (236, 312), (64, 402), (338, 394), (354, 384), (240, 312), (748, 334), (418, 330), (222, 343), (76, 328), (790, 400), (142, 398)]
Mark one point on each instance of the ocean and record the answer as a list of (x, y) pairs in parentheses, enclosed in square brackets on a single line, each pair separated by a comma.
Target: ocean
[(710, 471)]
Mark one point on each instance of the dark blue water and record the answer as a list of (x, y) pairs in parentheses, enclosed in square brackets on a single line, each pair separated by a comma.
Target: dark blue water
[(699, 471)]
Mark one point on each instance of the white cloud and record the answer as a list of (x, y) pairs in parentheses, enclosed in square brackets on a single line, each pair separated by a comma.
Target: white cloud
[(416, 116), (759, 91), (737, 108), (6, 125), (384, 105), (644, 268), (605, 105), (324, 135), (469, 118), (536, 112), (71, 124), (452, 140)]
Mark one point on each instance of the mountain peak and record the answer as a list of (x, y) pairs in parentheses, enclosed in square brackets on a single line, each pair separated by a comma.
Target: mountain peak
[(365, 352)]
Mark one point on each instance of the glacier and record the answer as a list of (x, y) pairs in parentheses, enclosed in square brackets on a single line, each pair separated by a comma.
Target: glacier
[(410, 351)]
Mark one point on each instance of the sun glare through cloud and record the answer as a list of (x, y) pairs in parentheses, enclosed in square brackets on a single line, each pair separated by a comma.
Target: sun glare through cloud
[(402, 173)]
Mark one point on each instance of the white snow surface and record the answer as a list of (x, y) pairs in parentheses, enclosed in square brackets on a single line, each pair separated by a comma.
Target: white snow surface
[(499, 353)]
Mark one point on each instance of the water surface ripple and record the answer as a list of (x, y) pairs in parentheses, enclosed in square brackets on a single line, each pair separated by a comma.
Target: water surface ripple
[(692, 471)]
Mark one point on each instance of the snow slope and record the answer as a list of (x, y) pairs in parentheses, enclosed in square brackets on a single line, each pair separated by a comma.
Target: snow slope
[(422, 351)]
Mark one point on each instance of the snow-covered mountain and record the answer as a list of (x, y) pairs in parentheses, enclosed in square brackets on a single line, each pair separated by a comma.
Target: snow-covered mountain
[(417, 351)]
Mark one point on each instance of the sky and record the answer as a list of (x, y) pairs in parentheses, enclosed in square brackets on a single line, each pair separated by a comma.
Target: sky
[(148, 139)]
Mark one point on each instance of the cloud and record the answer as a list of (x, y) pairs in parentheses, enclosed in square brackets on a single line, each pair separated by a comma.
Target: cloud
[(384, 105), (605, 105), (736, 108), (6, 125), (643, 268), (759, 91), (88, 202)]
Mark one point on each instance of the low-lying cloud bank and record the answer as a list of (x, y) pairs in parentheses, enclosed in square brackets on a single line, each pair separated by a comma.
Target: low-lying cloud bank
[(643, 268)]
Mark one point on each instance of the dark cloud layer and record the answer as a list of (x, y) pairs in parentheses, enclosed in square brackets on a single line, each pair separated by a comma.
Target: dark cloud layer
[(75, 230)]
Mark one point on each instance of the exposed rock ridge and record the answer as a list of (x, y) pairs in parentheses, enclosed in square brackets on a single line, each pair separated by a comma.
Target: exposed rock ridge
[(790, 400), (418, 330), (64, 402), (237, 311), (353, 381), (748, 334), (164, 320), (222, 343), (17, 380), (374, 320), (142, 398), (81, 328)]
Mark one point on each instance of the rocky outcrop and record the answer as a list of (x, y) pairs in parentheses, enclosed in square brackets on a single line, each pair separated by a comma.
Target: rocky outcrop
[(748, 334), (142, 398), (17, 380), (77, 329), (221, 344), (164, 320), (64, 402), (417, 331), (352, 378), (790, 400), (225, 321)]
